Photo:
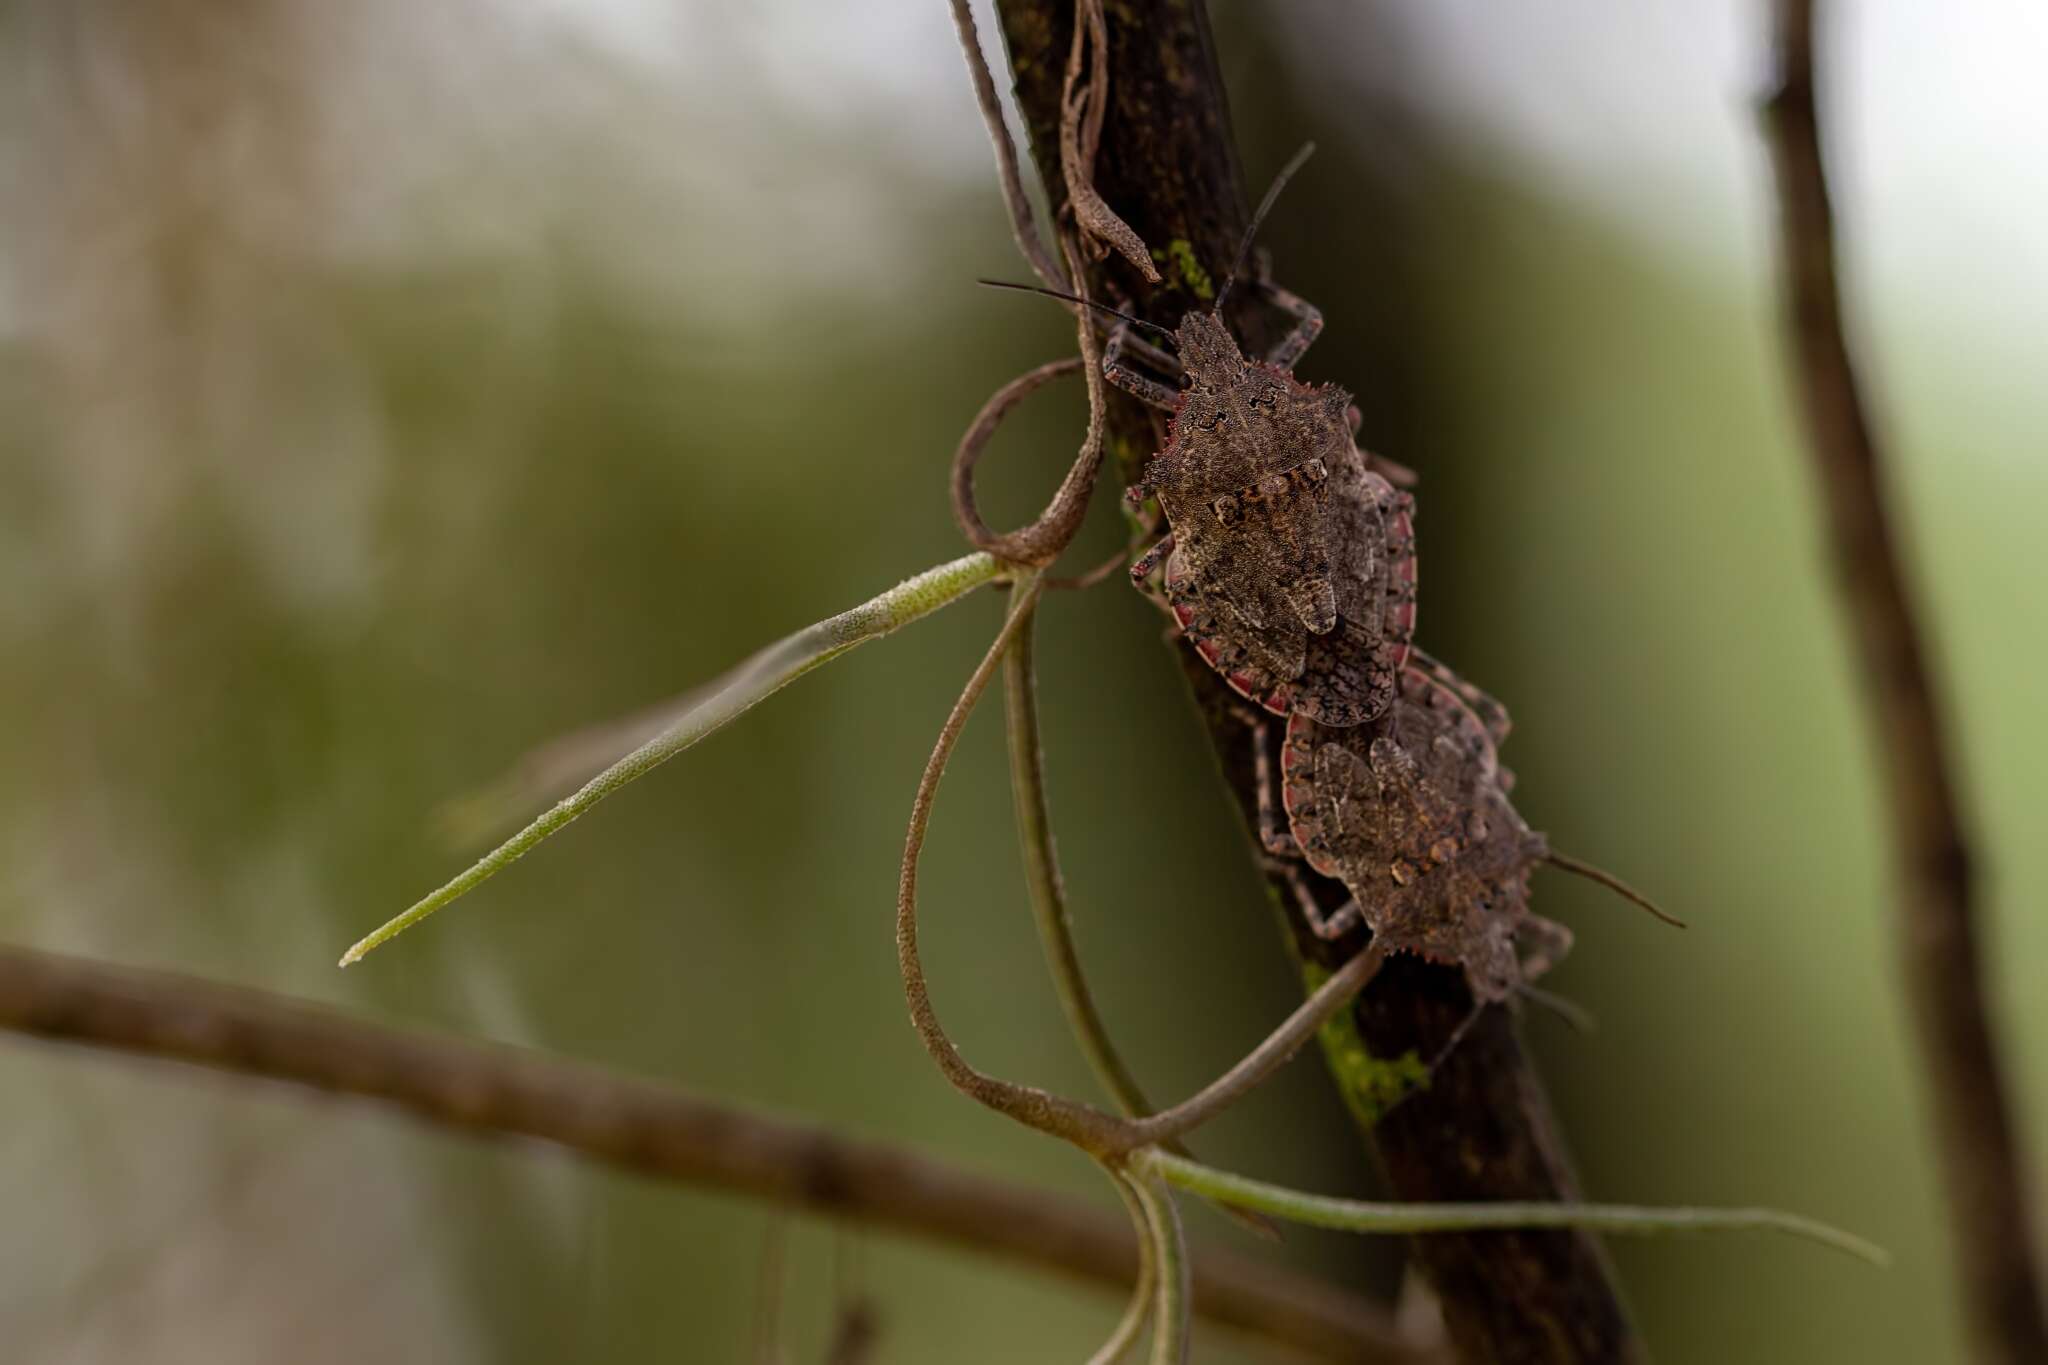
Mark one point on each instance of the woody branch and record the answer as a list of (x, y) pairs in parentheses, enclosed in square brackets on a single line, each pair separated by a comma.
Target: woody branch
[(1166, 161), (1989, 1209), (652, 1130)]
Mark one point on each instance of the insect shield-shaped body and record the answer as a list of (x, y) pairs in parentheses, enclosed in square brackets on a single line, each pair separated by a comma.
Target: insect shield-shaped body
[(1412, 815), (1290, 565)]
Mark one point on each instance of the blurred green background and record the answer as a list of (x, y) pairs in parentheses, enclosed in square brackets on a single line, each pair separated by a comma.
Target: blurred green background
[(387, 388)]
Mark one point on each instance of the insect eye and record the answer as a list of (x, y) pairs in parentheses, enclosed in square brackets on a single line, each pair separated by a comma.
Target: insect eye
[(1227, 510)]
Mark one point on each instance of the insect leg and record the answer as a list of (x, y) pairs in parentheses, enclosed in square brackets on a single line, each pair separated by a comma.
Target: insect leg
[(1457, 1035), (1273, 825), (1308, 323), (1161, 361), (1147, 564), (1491, 714), (1146, 388), (1330, 924), (1393, 471), (1548, 940)]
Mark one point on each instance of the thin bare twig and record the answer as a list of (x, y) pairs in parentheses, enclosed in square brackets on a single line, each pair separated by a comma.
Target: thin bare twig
[(1041, 542), (1083, 1125), (1082, 108), (967, 455), (741, 688), (1989, 1208), (552, 769), (1100, 573), (1139, 1312), (1171, 1286), (1023, 222), (1269, 1056), (1048, 893), (652, 1130)]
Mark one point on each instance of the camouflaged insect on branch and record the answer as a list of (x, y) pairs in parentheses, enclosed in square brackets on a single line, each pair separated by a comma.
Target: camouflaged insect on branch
[(1290, 564), (1412, 816)]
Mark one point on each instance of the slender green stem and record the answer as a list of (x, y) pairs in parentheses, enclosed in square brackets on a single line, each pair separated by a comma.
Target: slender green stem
[(754, 680), (1355, 1215), (1042, 874), (1172, 1299), (1140, 1310)]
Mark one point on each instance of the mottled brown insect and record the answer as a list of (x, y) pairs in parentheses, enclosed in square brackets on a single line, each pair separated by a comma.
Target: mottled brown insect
[(1411, 815), (1290, 564)]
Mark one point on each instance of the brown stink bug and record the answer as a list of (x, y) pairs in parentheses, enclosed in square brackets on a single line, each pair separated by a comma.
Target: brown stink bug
[(1412, 815), (1239, 610), (1289, 563)]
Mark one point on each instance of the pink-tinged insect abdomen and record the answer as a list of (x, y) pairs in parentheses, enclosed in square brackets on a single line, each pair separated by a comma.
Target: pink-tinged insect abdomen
[(1404, 571), (1269, 695), (1307, 809)]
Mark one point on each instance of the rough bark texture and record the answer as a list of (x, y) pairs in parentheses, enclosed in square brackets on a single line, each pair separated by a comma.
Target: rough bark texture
[(1483, 1130), (1982, 1161)]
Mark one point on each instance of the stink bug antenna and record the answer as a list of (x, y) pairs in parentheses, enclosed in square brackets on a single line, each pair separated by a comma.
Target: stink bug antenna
[(1166, 332), (1244, 248), (1575, 1016), (1612, 883)]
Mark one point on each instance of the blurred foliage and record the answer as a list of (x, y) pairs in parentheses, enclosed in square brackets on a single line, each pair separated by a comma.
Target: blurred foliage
[(382, 394)]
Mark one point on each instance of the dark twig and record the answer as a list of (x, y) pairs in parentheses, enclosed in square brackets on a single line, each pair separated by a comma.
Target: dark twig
[(1990, 1212), (1482, 1131), (1039, 543), (1023, 222), (1082, 108), (652, 1130)]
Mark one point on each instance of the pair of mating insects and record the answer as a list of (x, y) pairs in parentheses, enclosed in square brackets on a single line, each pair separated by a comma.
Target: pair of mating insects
[(1289, 565)]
